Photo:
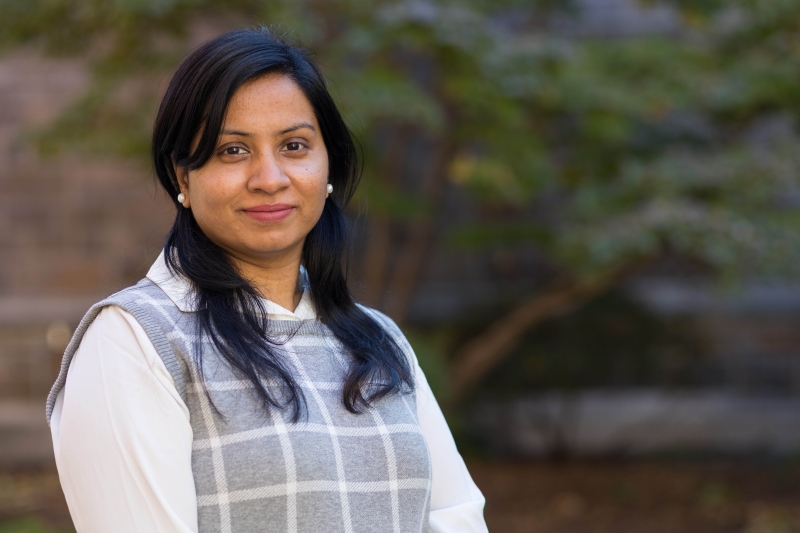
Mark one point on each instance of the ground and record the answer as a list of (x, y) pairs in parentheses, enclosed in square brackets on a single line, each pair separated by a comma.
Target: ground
[(646, 496), (641, 497)]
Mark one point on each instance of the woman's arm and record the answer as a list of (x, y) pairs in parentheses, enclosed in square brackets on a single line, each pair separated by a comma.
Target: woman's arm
[(122, 437), (456, 502)]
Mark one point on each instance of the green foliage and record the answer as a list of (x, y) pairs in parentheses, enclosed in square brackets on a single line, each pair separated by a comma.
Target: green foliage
[(719, 207), (635, 146)]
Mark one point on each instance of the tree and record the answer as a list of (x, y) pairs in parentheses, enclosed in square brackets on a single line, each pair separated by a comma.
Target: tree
[(603, 154)]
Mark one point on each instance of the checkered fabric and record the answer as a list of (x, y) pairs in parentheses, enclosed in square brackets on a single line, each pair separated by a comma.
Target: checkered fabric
[(255, 470)]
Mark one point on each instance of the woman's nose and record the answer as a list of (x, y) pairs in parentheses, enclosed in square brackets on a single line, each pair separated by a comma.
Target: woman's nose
[(267, 175)]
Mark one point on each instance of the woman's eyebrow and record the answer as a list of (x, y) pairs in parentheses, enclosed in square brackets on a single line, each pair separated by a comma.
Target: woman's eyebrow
[(235, 132), (297, 126), (290, 129)]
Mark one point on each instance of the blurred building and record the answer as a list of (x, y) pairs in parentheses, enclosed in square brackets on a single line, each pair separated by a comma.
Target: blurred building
[(71, 231)]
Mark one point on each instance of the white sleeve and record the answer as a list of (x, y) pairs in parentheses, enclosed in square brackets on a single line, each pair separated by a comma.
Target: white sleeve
[(122, 437), (456, 502)]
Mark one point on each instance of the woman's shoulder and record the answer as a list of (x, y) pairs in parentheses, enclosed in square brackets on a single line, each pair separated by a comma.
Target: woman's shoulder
[(110, 316), (143, 306), (384, 320), (142, 309), (144, 289), (394, 330), (145, 301)]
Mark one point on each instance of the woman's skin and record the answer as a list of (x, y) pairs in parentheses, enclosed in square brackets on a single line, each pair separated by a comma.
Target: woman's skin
[(270, 155)]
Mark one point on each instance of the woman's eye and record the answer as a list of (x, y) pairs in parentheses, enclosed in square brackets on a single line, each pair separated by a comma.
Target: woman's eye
[(294, 146), (233, 150)]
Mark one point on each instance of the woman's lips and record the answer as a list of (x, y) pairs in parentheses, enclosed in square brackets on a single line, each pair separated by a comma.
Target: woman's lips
[(269, 212)]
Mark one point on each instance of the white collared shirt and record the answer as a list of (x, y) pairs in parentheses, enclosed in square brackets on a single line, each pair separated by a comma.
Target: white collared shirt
[(123, 439)]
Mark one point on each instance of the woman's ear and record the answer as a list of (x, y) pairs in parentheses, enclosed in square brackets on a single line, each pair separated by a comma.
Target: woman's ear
[(183, 183)]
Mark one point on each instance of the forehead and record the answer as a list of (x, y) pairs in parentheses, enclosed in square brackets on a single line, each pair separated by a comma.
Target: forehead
[(269, 101)]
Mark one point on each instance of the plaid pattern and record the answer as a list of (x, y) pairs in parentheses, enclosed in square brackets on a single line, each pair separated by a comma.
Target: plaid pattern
[(257, 471)]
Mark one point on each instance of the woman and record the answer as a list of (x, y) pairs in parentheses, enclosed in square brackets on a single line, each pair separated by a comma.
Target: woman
[(239, 387)]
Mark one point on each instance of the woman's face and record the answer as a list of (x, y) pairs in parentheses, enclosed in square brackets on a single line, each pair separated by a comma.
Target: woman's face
[(264, 188)]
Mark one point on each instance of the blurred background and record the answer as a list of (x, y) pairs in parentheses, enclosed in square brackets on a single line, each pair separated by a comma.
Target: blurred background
[(584, 213)]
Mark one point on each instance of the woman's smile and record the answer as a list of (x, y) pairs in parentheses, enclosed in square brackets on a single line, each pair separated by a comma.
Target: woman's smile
[(269, 212)]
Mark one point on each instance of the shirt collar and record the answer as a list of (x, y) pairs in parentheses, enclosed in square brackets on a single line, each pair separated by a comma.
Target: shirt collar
[(180, 291)]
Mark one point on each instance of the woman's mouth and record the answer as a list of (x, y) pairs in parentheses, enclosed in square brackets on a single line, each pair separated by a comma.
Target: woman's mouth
[(269, 212)]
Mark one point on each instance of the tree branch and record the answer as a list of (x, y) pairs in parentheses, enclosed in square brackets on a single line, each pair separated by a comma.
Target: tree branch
[(420, 234), (376, 258), (485, 352)]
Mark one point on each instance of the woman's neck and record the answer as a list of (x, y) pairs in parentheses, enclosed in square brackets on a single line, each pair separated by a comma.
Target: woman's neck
[(275, 281)]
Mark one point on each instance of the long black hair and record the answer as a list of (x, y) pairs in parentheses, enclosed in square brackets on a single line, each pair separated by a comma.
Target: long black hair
[(230, 311)]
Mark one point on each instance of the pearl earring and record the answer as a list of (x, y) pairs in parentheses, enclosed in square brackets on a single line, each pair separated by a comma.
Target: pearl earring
[(330, 188), (181, 198)]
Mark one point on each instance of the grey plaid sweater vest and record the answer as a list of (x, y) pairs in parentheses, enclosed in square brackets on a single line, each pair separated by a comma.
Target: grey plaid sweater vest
[(256, 470)]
